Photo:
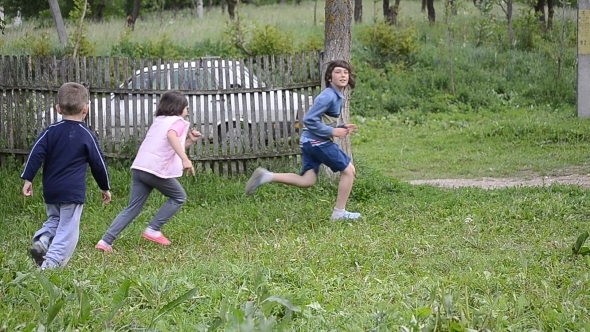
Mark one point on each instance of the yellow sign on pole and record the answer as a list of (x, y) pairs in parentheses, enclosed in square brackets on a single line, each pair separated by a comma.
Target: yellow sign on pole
[(584, 31)]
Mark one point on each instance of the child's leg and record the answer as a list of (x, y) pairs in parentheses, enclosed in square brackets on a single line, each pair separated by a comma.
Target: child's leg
[(50, 226), (66, 236), (172, 189), (332, 156), (308, 177), (42, 238), (345, 186), (306, 180), (140, 191)]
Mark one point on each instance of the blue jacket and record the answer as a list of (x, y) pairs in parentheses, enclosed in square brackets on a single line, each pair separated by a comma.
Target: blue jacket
[(320, 120), (65, 149)]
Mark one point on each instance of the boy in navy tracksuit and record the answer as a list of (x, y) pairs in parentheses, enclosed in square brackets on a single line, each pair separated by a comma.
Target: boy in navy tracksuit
[(65, 149)]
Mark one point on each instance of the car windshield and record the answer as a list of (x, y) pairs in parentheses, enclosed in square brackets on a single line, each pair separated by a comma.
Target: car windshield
[(202, 78)]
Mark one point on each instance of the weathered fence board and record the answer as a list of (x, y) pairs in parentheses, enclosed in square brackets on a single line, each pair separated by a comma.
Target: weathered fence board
[(249, 111)]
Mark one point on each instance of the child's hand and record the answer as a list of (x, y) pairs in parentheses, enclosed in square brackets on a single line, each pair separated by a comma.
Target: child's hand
[(28, 188), (340, 132), (187, 165), (194, 135), (106, 196), (350, 127)]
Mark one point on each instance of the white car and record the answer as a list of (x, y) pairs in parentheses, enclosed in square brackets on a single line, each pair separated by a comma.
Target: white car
[(226, 100)]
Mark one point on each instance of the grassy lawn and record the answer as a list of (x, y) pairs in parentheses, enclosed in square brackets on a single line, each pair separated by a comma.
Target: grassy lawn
[(421, 259)]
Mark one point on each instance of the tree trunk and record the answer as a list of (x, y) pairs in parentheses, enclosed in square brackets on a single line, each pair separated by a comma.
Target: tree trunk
[(509, 21), (540, 10), (231, 9), (135, 10), (431, 12), (394, 12), (337, 44), (550, 14), (80, 26), (315, 13), (199, 8), (358, 11), (387, 12), (100, 10), (423, 8), (59, 23)]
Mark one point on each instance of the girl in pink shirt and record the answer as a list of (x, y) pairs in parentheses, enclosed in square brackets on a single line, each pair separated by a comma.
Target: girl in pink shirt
[(161, 159)]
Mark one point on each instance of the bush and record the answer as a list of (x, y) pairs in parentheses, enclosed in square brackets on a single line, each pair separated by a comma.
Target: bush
[(385, 43), (270, 40)]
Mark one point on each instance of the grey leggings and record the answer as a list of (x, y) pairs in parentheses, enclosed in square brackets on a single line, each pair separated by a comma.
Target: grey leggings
[(142, 184)]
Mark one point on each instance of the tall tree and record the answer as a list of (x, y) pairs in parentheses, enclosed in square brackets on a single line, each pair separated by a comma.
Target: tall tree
[(231, 9), (135, 11), (358, 11), (390, 12), (430, 10), (59, 23), (337, 44)]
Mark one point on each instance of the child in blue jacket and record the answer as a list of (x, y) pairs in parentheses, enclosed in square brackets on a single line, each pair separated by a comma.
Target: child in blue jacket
[(316, 142)]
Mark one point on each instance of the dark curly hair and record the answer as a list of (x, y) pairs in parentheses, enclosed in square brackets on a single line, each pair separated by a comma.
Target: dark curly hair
[(343, 64), (171, 103)]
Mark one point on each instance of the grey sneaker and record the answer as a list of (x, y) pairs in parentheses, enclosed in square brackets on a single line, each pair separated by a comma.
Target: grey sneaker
[(38, 251), (255, 180), (345, 216)]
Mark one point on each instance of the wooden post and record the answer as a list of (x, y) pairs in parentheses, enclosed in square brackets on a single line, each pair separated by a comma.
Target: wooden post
[(584, 58)]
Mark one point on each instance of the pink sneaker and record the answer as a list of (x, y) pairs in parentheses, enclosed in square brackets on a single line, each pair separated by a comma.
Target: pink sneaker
[(101, 245), (157, 237)]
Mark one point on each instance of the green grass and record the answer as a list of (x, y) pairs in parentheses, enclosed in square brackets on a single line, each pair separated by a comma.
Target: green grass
[(421, 259), (185, 30), (519, 142)]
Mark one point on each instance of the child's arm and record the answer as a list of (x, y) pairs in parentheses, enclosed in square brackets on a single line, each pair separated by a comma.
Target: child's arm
[(174, 141), (193, 136), (98, 165), (313, 117), (34, 162)]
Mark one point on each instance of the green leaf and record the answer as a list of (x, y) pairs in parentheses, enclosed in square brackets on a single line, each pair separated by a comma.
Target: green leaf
[(32, 298), (423, 313), (53, 311), (49, 286), (84, 313), (580, 242), (175, 303), (282, 301), (118, 300), (584, 251)]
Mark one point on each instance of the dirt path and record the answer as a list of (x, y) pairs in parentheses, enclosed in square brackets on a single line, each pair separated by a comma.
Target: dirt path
[(491, 183)]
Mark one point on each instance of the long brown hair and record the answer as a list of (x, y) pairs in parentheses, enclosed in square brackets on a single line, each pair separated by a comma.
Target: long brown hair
[(342, 64)]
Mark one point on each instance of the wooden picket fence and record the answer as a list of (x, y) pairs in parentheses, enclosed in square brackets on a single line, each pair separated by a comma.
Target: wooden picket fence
[(249, 111)]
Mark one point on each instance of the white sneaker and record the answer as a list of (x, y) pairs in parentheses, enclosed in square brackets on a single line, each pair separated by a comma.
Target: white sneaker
[(258, 178), (340, 215)]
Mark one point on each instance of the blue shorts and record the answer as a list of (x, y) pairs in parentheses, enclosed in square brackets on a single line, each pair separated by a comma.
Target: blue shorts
[(328, 154)]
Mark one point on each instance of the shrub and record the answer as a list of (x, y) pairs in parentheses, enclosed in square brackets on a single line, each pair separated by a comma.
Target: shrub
[(385, 43), (271, 40)]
